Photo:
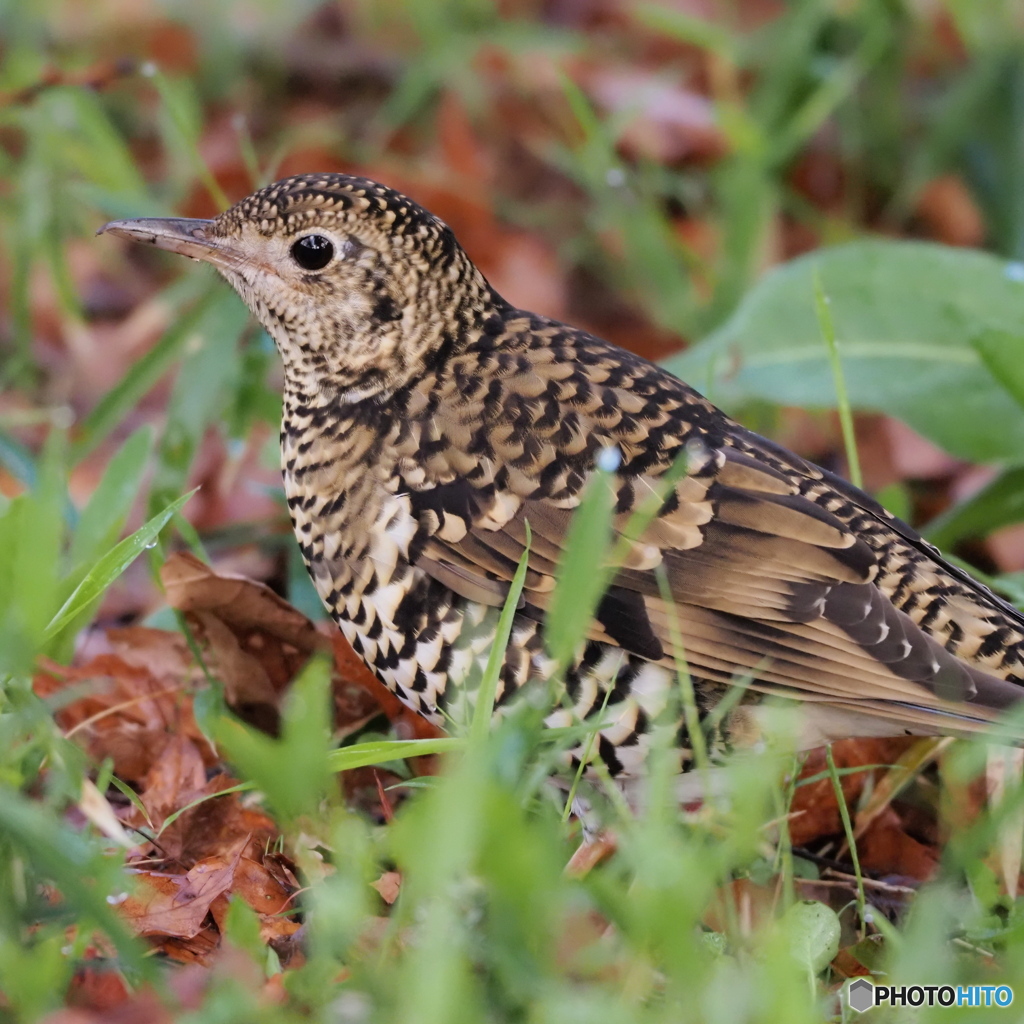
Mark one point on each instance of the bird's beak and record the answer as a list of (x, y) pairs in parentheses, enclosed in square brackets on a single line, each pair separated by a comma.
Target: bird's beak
[(192, 238)]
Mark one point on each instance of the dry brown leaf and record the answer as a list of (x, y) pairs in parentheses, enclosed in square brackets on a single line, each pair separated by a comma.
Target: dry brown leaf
[(199, 950), (125, 712), (97, 986), (951, 213), (667, 122), (177, 905), (814, 806), (176, 778), (215, 825), (257, 641), (263, 892), (590, 853), (388, 885), (886, 849)]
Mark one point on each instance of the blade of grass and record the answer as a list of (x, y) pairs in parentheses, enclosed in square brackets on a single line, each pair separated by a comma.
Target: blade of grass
[(104, 515), (822, 305), (111, 565), (694, 726), (578, 586), (241, 787), (362, 755), (851, 840), (133, 798), (144, 373), (585, 757), (484, 710), (186, 124)]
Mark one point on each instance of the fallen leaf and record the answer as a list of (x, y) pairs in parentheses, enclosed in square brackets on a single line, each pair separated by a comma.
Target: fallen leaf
[(814, 806), (665, 121), (388, 885), (887, 849), (97, 986), (176, 778), (177, 905), (950, 212), (257, 641)]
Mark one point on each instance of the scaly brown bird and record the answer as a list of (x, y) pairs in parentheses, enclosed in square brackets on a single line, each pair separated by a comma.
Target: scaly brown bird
[(428, 424)]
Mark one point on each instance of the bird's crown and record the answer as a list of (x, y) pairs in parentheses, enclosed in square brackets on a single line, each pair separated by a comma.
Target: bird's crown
[(290, 204)]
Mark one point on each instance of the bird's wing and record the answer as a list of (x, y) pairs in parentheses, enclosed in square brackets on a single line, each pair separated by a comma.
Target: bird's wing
[(765, 583)]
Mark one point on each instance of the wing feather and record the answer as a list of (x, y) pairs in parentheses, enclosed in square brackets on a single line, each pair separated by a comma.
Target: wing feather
[(766, 583)]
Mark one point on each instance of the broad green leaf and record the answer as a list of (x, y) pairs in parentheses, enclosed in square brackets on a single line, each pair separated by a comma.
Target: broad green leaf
[(905, 315), (111, 565), (999, 503), (814, 933), (1003, 353)]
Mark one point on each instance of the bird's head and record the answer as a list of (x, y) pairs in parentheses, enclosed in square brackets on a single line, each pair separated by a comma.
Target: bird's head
[(357, 284)]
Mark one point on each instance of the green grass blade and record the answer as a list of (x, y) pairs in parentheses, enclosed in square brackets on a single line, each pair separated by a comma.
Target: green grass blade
[(111, 565), (80, 871), (851, 839), (102, 518), (828, 334), (144, 373), (582, 576), (361, 755), (484, 709)]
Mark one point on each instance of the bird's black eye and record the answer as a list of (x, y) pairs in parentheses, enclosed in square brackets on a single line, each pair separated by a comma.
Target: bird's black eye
[(313, 252)]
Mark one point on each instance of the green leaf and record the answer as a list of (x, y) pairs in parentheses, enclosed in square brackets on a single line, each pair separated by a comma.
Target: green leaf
[(814, 931), (31, 536), (1003, 353), (905, 314), (293, 771), (111, 565), (999, 503)]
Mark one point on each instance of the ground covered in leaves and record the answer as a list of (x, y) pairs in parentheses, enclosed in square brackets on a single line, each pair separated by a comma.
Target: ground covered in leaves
[(178, 840)]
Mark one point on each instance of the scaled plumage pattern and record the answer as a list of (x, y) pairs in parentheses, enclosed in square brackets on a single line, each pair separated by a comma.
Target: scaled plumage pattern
[(428, 423)]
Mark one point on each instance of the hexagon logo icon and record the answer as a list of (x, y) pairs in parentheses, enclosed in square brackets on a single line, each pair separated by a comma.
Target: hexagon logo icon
[(860, 994)]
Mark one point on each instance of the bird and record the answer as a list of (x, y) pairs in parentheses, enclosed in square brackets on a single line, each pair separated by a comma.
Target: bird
[(433, 433)]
